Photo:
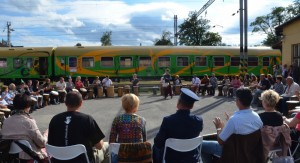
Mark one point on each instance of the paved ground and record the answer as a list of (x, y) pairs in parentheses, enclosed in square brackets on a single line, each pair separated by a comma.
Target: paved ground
[(153, 108)]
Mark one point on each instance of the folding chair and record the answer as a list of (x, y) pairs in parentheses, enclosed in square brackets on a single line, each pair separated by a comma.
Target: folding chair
[(130, 152), (184, 145), (295, 151), (15, 149), (67, 152)]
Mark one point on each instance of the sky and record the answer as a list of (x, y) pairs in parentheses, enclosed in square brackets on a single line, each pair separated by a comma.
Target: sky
[(55, 23)]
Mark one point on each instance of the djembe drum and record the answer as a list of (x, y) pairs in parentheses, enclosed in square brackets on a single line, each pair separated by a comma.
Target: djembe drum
[(46, 99), (91, 93), (220, 89), (54, 98), (110, 91), (100, 92), (120, 91), (292, 104), (127, 89), (1, 119), (83, 92), (6, 112), (75, 90), (177, 89), (136, 90), (62, 95), (33, 101)]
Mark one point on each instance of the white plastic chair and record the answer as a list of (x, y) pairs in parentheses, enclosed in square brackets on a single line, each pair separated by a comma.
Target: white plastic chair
[(184, 145), (67, 152), (14, 148), (113, 152)]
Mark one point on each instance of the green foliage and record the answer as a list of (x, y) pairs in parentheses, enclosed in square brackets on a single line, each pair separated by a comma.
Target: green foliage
[(266, 24), (164, 40), (106, 38), (194, 31)]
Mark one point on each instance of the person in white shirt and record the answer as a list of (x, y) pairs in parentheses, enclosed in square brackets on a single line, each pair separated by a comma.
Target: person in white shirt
[(106, 83), (292, 89), (61, 84), (195, 83)]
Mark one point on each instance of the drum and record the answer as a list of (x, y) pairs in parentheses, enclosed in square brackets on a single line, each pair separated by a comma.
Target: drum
[(33, 100), (127, 89), (120, 91), (91, 93), (83, 92), (110, 91), (6, 112), (220, 88), (1, 118), (62, 95), (100, 92), (55, 93), (136, 90), (75, 90), (193, 88), (177, 90), (46, 99), (292, 104)]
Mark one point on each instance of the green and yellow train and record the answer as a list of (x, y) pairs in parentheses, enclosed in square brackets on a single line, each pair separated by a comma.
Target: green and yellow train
[(121, 62)]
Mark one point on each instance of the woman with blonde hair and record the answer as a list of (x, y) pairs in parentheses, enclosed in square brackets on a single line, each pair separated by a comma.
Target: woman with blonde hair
[(270, 117), (128, 127)]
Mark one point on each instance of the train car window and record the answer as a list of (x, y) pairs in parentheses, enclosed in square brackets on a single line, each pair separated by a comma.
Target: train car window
[(29, 63), (182, 61), (107, 61), (252, 61), (17, 62), (62, 61), (3, 62), (219, 61), (126, 61), (164, 62), (145, 61), (88, 62), (266, 61), (235, 61), (200, 61), (72, 62)]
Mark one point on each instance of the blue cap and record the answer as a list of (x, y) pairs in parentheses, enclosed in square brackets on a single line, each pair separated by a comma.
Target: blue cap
[(188, 95)]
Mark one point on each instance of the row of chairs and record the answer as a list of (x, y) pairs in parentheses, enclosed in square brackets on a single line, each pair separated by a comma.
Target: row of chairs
[(70, 152)]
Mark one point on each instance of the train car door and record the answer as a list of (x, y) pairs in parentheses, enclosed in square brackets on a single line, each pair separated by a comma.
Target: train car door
[(145, 67), (43, 65)]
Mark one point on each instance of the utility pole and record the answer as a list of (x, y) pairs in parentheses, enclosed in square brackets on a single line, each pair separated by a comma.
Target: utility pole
[(175, 30), (243, 37), (9, 30)]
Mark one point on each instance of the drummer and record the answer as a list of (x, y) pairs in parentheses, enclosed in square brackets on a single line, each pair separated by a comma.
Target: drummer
[(35, 95), (176, 82), (78, 83), (6, 96), (61, 88), (106, 83), (47, 87), (204, 83), (195, 83), (292, 89), (69, 85), (96, 84), (38, 93)]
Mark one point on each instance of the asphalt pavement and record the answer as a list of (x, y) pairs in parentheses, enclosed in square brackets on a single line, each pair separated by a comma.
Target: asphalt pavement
[(152, 107)]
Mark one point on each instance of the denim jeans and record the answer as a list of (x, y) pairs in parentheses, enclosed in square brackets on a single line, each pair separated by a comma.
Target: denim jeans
[(210, 148)]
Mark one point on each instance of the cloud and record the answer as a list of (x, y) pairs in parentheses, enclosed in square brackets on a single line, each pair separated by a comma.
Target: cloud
[(131, 22)]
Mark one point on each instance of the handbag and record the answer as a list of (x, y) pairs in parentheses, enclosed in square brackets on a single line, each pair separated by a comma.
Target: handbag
[(283, 159)]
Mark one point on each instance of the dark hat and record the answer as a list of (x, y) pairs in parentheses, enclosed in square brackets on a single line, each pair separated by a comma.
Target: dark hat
[(188, 96)]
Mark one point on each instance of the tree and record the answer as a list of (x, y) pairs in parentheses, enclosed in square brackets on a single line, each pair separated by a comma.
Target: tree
[(194, 31), (266, 24), (106, 38), (164, 40)]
